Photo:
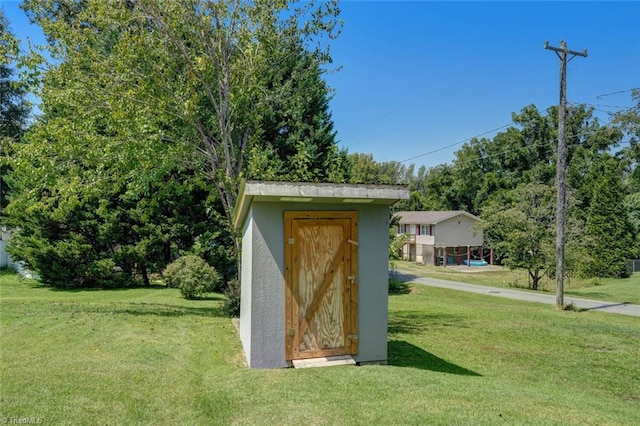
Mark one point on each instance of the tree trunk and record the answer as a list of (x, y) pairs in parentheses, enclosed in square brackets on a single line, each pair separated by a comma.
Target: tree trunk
[(145, 275), (535, 277)]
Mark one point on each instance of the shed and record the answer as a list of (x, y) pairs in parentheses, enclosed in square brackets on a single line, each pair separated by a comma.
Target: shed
[(314, 271)]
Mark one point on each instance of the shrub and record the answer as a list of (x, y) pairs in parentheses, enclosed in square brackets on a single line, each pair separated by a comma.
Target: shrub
[(192, 275), (571, 306), (231, 305), (398, 287)]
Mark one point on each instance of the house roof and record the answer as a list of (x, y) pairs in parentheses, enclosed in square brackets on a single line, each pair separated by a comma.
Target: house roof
[(430, 217), (305, 192)]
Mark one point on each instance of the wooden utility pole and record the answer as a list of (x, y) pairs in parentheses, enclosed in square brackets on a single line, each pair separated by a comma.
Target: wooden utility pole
[(561, 165)]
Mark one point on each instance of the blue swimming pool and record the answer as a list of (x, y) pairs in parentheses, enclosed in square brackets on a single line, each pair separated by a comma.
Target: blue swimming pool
[(475, 262)]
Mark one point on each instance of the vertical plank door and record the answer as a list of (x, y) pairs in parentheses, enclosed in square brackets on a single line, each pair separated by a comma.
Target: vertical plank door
[(321, 284)]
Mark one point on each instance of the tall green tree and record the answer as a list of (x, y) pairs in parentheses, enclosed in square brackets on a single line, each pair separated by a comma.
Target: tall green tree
[(628, 122), (296, 138), (608, 233), (199, 68), (13, 106)]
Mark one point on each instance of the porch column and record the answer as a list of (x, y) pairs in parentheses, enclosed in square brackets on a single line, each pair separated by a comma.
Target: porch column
[(469, 256)]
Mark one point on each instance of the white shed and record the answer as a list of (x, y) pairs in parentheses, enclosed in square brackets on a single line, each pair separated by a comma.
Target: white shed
[(314, 271)]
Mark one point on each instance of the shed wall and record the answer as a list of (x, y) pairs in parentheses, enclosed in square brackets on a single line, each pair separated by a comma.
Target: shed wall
[(245, 285)]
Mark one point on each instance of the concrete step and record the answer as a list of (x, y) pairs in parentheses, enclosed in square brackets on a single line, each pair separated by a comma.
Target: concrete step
[(323, 361)]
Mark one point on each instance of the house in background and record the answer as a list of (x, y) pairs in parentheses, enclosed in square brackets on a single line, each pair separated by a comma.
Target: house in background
[(442, 237)]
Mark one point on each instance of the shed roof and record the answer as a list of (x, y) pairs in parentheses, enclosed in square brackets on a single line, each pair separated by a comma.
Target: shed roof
[(339, 193), (430, 217)]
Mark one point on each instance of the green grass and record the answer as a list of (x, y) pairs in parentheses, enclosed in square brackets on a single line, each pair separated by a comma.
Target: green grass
[(147, 356), (608, 289), (620, 290)]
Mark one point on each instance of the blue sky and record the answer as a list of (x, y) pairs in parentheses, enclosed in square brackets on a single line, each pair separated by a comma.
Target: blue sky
[(420, 76), (423, 76)]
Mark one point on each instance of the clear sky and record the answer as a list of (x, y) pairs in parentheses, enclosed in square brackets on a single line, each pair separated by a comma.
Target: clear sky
[(423, 76), (420, 76)]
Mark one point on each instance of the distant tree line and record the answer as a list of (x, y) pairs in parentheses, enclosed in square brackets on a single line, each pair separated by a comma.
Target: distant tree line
[(509, 181)]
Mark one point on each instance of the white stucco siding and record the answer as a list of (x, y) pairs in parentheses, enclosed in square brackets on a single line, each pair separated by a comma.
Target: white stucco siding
[(457, 231)]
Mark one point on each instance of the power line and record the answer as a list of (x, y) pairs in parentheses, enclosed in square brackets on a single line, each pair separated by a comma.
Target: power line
[(598, 105), (547, 110), (456, 143), (604, 95), (541, 145)]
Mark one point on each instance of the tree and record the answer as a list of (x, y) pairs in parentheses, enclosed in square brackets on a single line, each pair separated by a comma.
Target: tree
[(364, 169), (297, 140), (608, 234), (82, 226), (522, 229), (199, 76), (628, 122), (13, 106)]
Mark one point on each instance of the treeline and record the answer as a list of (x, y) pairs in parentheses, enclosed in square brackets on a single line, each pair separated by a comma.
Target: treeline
[(509, 181), (152, 114)]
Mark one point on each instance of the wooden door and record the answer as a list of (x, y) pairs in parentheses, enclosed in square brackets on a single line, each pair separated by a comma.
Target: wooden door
[(321, 306)]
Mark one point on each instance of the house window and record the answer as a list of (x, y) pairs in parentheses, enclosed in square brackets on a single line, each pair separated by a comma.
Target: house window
[(402, 229), (424, 230)]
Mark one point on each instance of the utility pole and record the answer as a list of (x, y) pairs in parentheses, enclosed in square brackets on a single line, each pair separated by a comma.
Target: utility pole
[(561, 166)]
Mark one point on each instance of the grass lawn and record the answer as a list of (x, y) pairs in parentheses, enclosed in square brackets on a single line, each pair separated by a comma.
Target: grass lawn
[(610, 289), (147, 356)]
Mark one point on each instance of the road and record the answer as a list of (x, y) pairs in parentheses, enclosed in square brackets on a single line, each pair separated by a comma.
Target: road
[(585, 304)]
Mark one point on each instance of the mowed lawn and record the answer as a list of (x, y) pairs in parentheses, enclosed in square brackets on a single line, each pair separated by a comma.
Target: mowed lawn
[(146, 356)]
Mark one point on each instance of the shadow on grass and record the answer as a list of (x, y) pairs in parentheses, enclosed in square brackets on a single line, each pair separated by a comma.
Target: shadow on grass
[(153, 309), (412, 322), (161, 287), (404, 354), (608, 305), (403, 276), (70, 289)]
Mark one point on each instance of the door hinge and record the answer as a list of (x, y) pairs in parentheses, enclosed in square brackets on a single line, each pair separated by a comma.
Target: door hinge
[(291, 241), (352, 336), (351, 278), (292, 332)]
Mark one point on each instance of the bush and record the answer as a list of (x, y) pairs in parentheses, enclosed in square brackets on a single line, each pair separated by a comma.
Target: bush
[(192, 275), (398, 287), (231, 305)]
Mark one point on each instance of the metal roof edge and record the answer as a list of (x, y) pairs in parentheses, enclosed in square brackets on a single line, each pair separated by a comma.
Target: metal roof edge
[(320, 192)]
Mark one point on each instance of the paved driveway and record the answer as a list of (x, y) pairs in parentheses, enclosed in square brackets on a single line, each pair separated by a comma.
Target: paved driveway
[(587, 304)]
